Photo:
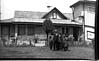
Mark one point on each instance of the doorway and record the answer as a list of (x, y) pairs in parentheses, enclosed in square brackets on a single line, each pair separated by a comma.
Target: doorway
[(63, 30), (76, 33)]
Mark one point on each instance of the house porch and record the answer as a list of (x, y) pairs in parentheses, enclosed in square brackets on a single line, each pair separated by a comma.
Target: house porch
[(30, 30)]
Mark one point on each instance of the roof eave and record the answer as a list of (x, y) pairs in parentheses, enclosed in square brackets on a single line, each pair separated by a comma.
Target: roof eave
[(16, 20), (81, 2)]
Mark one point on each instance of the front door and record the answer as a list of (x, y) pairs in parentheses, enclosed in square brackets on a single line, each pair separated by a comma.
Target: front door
[(75, 33), (63, 30)]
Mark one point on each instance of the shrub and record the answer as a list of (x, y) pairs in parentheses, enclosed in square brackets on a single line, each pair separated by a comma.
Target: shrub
[(36, 39), (22, 39), (70, 39)]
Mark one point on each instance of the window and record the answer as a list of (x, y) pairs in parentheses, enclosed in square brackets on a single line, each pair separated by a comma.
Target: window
[(30, 30), (54, 15), (21, 30), (90, 35)]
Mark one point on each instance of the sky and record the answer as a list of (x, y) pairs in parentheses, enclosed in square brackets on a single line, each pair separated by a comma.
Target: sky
[(8, 7)]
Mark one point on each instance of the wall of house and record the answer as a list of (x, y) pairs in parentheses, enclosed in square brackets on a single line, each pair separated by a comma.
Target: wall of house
[(89, 17), (89, 20), (70, 30), (87, 35), (78, 10)]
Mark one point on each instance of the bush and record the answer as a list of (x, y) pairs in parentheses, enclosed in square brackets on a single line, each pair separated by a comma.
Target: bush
[(4, 39), (70, 40), (22, 39)]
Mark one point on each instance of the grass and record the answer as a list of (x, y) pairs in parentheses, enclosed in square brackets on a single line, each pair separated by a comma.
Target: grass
[(45, 52)]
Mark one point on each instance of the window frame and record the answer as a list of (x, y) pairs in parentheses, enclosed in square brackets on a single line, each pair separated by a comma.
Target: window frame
[(88, 32), (54, 15)]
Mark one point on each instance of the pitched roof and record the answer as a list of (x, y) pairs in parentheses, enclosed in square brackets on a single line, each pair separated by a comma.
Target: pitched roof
[(68, 15), (55, 10), (81, 2), (36, 15), (7, 20), (29, 14)]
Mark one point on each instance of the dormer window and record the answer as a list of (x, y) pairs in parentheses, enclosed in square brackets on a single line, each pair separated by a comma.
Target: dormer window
[(54, 15)]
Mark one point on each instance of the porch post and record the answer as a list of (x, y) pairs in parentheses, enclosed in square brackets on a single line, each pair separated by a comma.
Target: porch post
[(0, 31), (70, 31), (16, 33), (1, 44), (80, 32), (16, 30), (65, 30), (26, 30)]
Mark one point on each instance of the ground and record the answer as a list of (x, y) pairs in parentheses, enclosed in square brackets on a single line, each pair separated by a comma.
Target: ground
[(45, 52), (49, 60)]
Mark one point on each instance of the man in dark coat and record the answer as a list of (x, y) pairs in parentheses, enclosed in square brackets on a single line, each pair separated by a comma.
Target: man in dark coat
[(55, 41)]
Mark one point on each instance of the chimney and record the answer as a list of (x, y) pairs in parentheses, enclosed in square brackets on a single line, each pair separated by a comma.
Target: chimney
[(49, 7)]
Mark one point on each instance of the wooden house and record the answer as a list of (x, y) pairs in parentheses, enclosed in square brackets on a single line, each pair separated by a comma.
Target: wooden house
[(27, 23)]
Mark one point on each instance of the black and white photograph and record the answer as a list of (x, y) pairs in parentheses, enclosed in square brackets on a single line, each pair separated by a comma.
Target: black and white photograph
[(60, 29), (47, 60)]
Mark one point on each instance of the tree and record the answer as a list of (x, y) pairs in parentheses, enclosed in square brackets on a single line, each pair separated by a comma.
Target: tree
[(48, 26)]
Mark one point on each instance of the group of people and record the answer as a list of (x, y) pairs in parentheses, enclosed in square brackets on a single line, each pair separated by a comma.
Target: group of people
[(58, 41)]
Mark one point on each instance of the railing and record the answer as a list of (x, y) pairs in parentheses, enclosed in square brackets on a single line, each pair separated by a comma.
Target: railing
[(32, 41), (20, 41)]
